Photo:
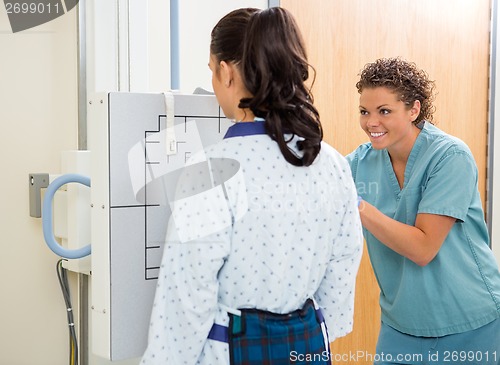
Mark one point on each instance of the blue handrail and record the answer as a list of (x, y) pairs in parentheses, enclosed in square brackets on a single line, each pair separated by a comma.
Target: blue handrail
[(48, 232)]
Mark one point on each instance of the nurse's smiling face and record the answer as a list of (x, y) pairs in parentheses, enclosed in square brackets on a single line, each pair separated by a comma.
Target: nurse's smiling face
[(387, 120)]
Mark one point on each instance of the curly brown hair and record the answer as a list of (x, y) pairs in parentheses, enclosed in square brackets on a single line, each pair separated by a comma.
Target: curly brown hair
[(403, 78)]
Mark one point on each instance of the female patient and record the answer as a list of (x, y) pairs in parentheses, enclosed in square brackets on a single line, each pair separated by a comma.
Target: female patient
[(424, 226), (278, 256)]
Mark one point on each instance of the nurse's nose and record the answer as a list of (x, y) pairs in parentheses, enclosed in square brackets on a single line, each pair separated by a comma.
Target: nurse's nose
[(372, 120)]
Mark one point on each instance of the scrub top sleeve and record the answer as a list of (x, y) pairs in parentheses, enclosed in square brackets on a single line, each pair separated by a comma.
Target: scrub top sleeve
[(450, 186)]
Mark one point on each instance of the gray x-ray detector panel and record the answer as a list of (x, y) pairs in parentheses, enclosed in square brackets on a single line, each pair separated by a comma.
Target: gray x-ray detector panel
[(137, 142)]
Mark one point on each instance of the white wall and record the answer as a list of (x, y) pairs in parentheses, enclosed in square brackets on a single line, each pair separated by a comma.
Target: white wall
[(38, 116)]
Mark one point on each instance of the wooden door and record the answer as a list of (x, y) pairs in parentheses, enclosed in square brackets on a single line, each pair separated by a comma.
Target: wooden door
[(447, 38)]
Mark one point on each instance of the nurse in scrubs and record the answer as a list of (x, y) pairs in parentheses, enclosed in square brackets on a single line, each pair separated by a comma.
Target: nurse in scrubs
[(424, 226)]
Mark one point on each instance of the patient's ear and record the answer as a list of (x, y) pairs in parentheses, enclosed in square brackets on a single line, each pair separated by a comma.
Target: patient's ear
[(227, 73)]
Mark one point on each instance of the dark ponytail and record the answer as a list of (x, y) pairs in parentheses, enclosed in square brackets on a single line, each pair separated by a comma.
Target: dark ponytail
[(274, 66), (267, 47)]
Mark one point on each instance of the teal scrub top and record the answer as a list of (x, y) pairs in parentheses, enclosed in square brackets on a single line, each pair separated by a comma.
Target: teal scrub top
[(459, 290)]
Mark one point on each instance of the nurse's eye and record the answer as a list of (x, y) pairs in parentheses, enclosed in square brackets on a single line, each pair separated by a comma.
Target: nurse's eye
[(384, 111)]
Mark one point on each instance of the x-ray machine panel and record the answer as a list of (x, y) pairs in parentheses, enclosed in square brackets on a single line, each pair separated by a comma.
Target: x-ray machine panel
[(137, 143)]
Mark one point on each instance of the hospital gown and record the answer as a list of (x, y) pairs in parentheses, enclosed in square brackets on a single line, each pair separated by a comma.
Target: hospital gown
[(250, 230)]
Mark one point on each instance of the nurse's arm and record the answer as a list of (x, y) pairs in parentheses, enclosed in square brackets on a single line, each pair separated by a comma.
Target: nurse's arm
[(419, 243)]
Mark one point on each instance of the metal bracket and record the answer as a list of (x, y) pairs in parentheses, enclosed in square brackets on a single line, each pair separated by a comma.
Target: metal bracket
[(36, 183)]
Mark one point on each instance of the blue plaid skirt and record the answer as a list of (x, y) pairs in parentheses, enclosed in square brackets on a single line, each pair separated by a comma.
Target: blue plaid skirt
[(264, 338)]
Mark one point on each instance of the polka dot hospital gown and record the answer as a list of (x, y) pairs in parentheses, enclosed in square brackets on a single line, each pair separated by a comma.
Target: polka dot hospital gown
[(265, 235)]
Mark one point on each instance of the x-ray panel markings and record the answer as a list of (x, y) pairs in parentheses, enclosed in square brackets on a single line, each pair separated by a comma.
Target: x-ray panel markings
[(157, 165)]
